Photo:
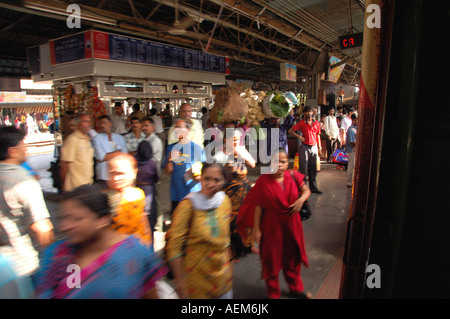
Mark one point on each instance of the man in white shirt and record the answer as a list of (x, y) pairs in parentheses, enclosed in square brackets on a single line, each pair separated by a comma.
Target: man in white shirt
[(118, 120), (148, 128), (346, 122), (331, 130), (157, 121), (196, 130), (30, 124)]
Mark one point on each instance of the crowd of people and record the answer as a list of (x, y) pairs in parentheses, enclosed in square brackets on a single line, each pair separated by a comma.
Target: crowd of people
[(29, 123), (112, 205)]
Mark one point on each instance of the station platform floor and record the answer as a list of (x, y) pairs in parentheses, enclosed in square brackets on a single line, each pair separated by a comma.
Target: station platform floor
[(324, 234)]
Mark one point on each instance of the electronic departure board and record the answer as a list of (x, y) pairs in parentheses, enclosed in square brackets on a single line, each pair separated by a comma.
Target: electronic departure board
[(102, 45), (351, 41)]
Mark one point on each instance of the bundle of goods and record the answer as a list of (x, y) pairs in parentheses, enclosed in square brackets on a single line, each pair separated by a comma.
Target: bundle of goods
[(255, 113), (228, 106), (340, 157), (278, 104)]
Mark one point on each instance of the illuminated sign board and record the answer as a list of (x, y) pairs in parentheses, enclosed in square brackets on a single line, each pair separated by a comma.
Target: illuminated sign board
[(351, 41)]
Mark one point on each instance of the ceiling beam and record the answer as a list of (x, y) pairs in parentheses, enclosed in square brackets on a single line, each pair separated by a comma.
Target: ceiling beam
[(224, 23), (130, 24), (273, 22)]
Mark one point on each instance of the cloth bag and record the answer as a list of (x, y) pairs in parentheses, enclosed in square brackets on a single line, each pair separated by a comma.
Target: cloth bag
[(229, 106), (340, 157)]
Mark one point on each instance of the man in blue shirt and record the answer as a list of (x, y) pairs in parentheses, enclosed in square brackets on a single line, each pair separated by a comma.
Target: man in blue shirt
[(182, 161), (350, 148), (106, 146)]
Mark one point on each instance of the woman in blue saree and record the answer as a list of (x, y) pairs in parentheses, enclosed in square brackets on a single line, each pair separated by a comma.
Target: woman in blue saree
[(95, 262)]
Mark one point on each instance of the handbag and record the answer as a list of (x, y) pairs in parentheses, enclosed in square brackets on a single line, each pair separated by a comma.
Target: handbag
[(305, 212)]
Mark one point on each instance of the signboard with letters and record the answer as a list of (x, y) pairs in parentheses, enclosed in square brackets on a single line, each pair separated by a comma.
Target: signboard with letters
[(107, 46), (351, 41)]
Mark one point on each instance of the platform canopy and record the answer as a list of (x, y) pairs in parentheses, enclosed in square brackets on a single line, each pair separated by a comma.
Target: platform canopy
[(257, 35)]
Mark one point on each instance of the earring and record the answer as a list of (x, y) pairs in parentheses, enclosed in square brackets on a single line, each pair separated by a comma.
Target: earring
[(101, 226)]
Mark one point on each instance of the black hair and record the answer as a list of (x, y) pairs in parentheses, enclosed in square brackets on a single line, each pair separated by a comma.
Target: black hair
[(136, 106), (144, 151), (79, 116), (354, 116), (207, 165), (204, 110), (134, 118), (119, 104), (148, 119), (307, 109), (153, 111), (92, 197), (104, 116), (9, 137), (281, 150)]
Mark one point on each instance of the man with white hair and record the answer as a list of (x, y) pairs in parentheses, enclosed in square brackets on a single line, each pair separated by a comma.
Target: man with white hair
[(196, 130)]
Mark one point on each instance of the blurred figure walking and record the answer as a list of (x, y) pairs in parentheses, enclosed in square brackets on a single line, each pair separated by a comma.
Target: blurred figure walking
[(23, 212), (95, 261)]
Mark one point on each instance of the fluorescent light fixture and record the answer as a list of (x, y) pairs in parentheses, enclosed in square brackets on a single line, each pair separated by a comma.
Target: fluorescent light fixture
[(40, 6)]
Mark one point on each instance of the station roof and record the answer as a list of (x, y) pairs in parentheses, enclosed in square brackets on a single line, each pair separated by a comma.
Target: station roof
[(257, 35)]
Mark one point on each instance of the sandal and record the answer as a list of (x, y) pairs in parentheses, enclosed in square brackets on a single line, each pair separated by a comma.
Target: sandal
[(255, 250), (300, 295)]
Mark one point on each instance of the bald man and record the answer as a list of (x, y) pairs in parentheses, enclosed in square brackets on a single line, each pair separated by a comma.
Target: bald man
[(196, 127)]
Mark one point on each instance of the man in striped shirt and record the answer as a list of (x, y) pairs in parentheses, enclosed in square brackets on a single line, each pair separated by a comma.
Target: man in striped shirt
[(23, 211)]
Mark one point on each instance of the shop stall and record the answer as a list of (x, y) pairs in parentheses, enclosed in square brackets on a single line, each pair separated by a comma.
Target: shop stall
[(92, 70)]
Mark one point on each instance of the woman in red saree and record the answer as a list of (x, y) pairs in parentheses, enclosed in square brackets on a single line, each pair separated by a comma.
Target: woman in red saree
[(272, 207)]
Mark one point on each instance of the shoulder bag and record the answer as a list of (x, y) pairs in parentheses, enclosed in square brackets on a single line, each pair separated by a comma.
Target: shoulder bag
[(305, 212)]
